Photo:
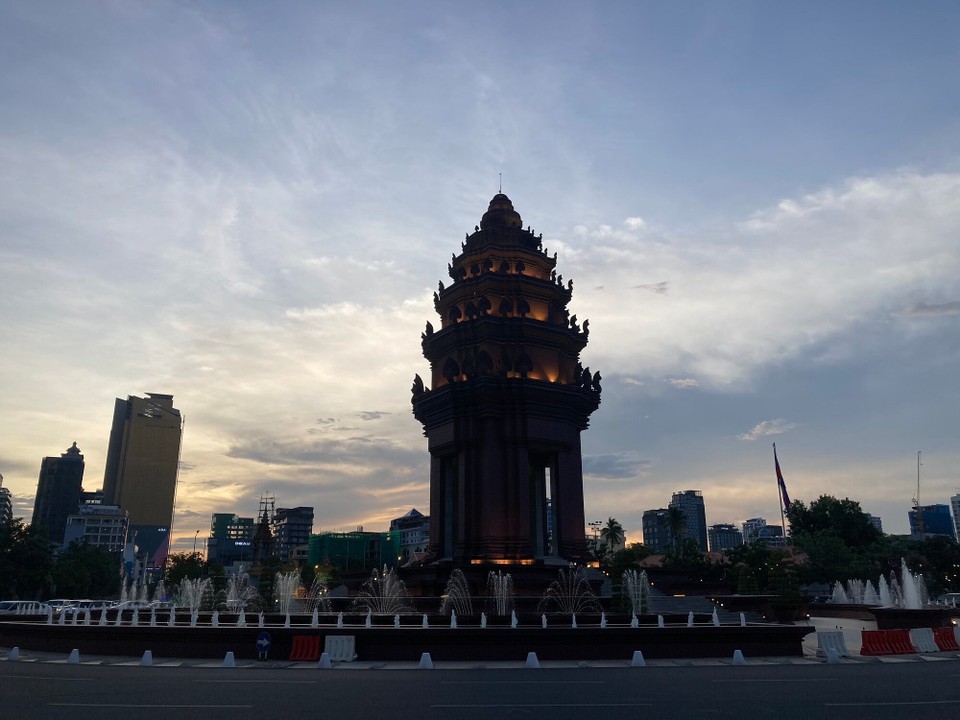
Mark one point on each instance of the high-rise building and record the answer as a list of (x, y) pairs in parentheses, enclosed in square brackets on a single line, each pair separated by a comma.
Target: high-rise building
[(955, 507), (141, 469), (231, 539), (876, 521), (657, 533), (58, 492), (100, 526), (507, 401), (414, 529), (724, 536), (291, 529), (691, 505), (936, 521), (355, 551), (6, 504), (751, 529)]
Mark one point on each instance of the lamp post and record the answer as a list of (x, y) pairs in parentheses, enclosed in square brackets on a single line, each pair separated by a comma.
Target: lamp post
[(596, 524), (196, 535)]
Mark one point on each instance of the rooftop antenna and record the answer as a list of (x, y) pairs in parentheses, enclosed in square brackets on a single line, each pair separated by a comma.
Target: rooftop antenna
[(500, 189)]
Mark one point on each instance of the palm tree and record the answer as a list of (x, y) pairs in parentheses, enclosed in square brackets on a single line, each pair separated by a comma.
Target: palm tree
[(612, 534), (677, 522)]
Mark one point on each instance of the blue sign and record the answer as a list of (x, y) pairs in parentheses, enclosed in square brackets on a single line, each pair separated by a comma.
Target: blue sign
[(263, 642)]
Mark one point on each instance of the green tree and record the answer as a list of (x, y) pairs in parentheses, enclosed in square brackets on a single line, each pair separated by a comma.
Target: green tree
[(86, 571), (184, 566), (26, 561), (612, 534), (939, 561), (747, 581), (628, 558), (843, 519), (785, 587), (838, 539), (677, 522)]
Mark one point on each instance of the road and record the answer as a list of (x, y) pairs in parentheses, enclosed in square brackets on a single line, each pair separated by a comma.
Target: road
[(906, 690)]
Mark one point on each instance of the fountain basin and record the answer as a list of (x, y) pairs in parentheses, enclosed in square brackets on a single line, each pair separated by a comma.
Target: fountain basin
[(382, 643)]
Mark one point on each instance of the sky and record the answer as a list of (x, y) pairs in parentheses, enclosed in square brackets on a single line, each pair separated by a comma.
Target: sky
[(248, 206)]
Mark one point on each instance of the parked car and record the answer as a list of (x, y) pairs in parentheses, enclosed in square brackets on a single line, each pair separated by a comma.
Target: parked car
[(88, 606), (59, 604)]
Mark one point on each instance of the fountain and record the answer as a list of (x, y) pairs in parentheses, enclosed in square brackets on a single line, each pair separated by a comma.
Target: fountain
[(500, 592), (240, 594), (894, 602), (194, 593), (318, 597), (287, 588), (456, 596), (908, 592), (383, 594), (570, 594), (635, 588)]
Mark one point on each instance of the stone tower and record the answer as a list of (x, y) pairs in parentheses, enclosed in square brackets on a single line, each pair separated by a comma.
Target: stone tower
[(507, 402)]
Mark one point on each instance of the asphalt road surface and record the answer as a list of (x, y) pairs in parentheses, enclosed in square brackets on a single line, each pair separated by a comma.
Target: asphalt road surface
[(908, 690)]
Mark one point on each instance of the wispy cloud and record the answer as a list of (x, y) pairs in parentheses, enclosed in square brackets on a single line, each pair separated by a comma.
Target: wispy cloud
[(684, 383), (767, 427), (371, 414), (659, 288), (923, 310)]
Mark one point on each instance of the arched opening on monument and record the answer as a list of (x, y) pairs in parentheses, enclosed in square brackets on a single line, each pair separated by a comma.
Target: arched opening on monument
[(451, 493), (543, 473)]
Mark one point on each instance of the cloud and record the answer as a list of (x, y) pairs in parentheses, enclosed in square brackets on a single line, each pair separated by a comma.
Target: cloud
[(659, 288), (615, 466), (631, 381), (767, 427), (371, 414), (923, 310), (684, 383), (808, 273), (634, 223)]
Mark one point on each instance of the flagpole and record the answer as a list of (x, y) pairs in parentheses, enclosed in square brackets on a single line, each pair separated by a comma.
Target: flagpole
[(783, 522)]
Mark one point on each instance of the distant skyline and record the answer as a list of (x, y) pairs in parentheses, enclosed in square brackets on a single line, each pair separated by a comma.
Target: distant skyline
[(248, 207)]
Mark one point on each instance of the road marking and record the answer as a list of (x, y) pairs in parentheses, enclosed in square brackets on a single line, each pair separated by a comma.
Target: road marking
[(141, 706), (546, 705), (889, 704), (249, 682), (776, 680), (522, 682), (41, 677)]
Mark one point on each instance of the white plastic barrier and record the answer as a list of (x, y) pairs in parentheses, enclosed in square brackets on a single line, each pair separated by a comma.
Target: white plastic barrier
[(922, 639), (828, 640), (340, 648)]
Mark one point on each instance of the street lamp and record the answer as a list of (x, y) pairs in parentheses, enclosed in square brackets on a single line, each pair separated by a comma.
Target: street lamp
[(195, 542), (596, 525)]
